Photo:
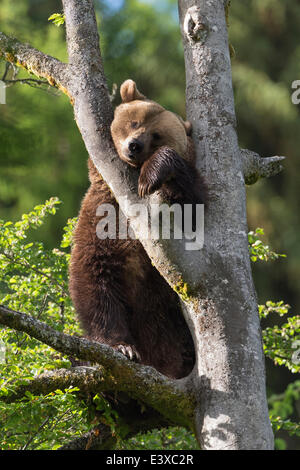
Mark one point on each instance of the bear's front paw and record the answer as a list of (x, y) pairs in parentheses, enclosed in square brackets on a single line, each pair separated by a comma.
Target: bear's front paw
[(157, 170), (152, 177), (129, 351), (147, 187)]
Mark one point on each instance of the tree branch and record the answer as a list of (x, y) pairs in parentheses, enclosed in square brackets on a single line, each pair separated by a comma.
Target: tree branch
[(82, 34), (33, 83), (255, 167), (93, 380), (7, 67), (99, 438), (171, 398), (35, 61), (87, 379)]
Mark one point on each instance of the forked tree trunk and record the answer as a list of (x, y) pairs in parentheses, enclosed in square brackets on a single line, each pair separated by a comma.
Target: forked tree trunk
[(215, 283)]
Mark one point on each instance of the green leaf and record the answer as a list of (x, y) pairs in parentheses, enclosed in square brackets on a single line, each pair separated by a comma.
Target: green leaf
[(57, 18)]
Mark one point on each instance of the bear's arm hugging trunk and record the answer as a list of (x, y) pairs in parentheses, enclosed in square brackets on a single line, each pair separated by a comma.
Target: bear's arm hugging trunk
[(178, 180)]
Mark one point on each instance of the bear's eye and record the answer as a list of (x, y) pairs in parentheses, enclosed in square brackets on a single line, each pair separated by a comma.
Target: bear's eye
[(134, 124), (156, 135)]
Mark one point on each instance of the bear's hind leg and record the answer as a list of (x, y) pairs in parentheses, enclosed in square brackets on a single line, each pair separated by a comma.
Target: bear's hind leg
[(97, 294)]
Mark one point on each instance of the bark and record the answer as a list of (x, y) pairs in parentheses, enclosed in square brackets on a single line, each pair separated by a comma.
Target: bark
[(87, 379), (34, 61), (230, 372), (214, 283), (255, 167)]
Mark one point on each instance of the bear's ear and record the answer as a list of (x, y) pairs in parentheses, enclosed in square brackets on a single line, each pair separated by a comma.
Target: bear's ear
[(186, 124), (129, 92), (188, 127)]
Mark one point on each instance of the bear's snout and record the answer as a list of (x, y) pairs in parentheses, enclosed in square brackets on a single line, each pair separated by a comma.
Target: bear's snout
[(135, 147)]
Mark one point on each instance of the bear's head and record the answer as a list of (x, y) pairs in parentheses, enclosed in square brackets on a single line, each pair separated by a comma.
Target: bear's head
[(141, 126)]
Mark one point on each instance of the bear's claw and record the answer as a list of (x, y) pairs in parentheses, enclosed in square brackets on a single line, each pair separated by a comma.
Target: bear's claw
[(129, 351), (145, 189)]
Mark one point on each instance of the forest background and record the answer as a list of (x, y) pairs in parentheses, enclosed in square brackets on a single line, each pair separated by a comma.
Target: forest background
[(42, 153)]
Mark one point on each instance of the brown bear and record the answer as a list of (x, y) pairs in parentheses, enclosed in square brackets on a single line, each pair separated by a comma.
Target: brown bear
[(120, 298)]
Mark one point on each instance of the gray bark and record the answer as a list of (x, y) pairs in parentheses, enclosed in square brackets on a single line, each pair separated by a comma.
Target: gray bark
[(230, 373), (255, 167), (215, 283), (34, 61)]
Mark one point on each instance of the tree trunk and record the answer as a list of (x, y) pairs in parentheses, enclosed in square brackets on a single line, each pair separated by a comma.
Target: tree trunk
[(230, 374)]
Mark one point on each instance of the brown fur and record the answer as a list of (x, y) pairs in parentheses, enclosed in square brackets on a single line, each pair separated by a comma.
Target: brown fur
[(120, 298)]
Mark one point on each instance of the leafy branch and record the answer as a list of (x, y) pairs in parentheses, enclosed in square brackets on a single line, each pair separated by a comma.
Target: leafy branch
[(258, 250), (281, 408), (57, 18)]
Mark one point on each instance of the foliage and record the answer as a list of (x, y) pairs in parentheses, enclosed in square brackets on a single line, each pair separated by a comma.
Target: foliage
[(33, 280), (282, 344), (108, 415), (282, 408), (41, 148), (42, 152), (43, 422), (57, 18), (264, 35), (259, 251), (172, 438)]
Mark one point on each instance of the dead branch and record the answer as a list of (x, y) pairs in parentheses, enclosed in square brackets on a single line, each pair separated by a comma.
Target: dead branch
[(256, 167)]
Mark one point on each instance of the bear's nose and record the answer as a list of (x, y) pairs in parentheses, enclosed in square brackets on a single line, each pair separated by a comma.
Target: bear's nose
[(135, 146)]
